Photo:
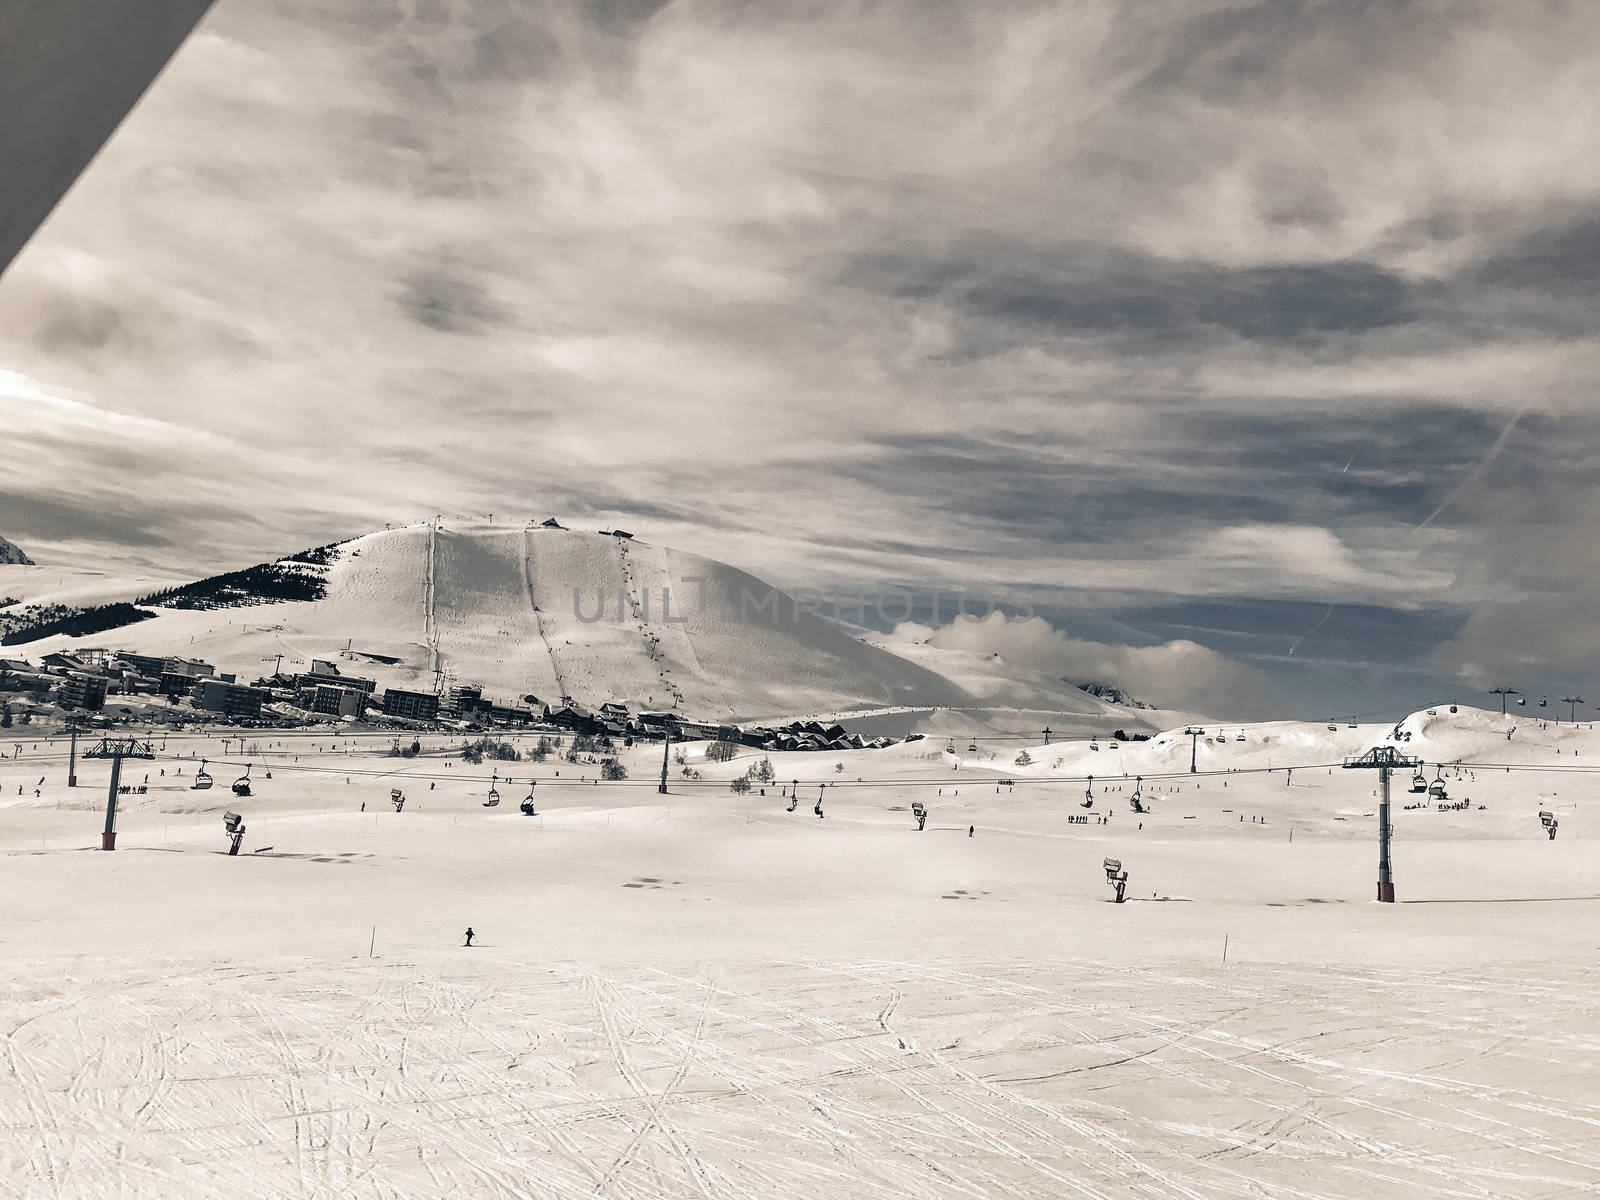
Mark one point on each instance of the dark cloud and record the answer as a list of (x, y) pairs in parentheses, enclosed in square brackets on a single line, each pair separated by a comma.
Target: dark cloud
[(448, 301)]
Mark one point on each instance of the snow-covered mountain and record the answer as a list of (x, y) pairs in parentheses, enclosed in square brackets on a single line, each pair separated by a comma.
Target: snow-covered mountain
[(541, 612), (11, 555)]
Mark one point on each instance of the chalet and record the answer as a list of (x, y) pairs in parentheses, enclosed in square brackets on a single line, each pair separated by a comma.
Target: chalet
[(507, 714), (57, 663), (574, 717)]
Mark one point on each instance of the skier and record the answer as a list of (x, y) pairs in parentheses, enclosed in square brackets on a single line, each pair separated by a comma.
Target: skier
[(469, 935), (971, 829)]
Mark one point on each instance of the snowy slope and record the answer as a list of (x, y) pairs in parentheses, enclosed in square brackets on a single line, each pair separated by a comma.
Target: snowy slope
[(75, 587), (550, 612), (11, 555), (708, 994)]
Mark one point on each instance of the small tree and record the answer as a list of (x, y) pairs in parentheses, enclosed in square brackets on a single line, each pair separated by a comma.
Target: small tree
[(1024, 759), (612, 771), (740, 786), (720, 751), (762, 771)]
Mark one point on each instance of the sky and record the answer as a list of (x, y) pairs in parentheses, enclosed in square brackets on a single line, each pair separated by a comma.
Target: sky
[(1248, 350)]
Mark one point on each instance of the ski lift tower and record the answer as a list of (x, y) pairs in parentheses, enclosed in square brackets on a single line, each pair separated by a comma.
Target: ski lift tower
[(1384, 760), (1195, 734), (116, 749), (1503, 692)]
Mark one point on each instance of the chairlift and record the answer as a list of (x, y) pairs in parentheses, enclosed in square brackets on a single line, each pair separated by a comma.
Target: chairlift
[(202, 779), (1452, 708), (1419, 784), (1093, 745), (494, 797), (241, 785), (1437, 790), (951, 748), (527, 801), (1544, 702), (1241, 737), (972, 747), (1332, 728)]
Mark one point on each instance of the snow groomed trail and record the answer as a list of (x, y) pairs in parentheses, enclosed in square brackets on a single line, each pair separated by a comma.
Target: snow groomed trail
[(812, 1078)]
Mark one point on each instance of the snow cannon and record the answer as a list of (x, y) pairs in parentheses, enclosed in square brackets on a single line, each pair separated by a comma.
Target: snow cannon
[(233, 824), (397, 798), (1116, 877), (919, 810), (1550, 823)]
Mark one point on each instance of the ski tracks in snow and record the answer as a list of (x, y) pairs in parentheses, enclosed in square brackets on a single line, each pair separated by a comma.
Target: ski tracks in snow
[(873, 1080)]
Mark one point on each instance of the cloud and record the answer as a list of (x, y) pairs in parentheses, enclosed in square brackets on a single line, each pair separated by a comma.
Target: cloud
[(1095, 300), (1176, 674)]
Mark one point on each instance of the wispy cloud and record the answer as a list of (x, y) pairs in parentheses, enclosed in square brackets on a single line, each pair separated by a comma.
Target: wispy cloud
[(1094, 301)]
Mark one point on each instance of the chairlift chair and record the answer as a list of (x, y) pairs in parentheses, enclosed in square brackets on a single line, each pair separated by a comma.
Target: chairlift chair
[(494, 797), (1241, 737), (1093, 745), (527, 801), (1419, 784), (241, 785), (972, 747), (202, 779), (1437, 790)]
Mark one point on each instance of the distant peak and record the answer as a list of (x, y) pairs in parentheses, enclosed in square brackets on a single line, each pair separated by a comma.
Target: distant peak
[(1109, 692), (12, 555)]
